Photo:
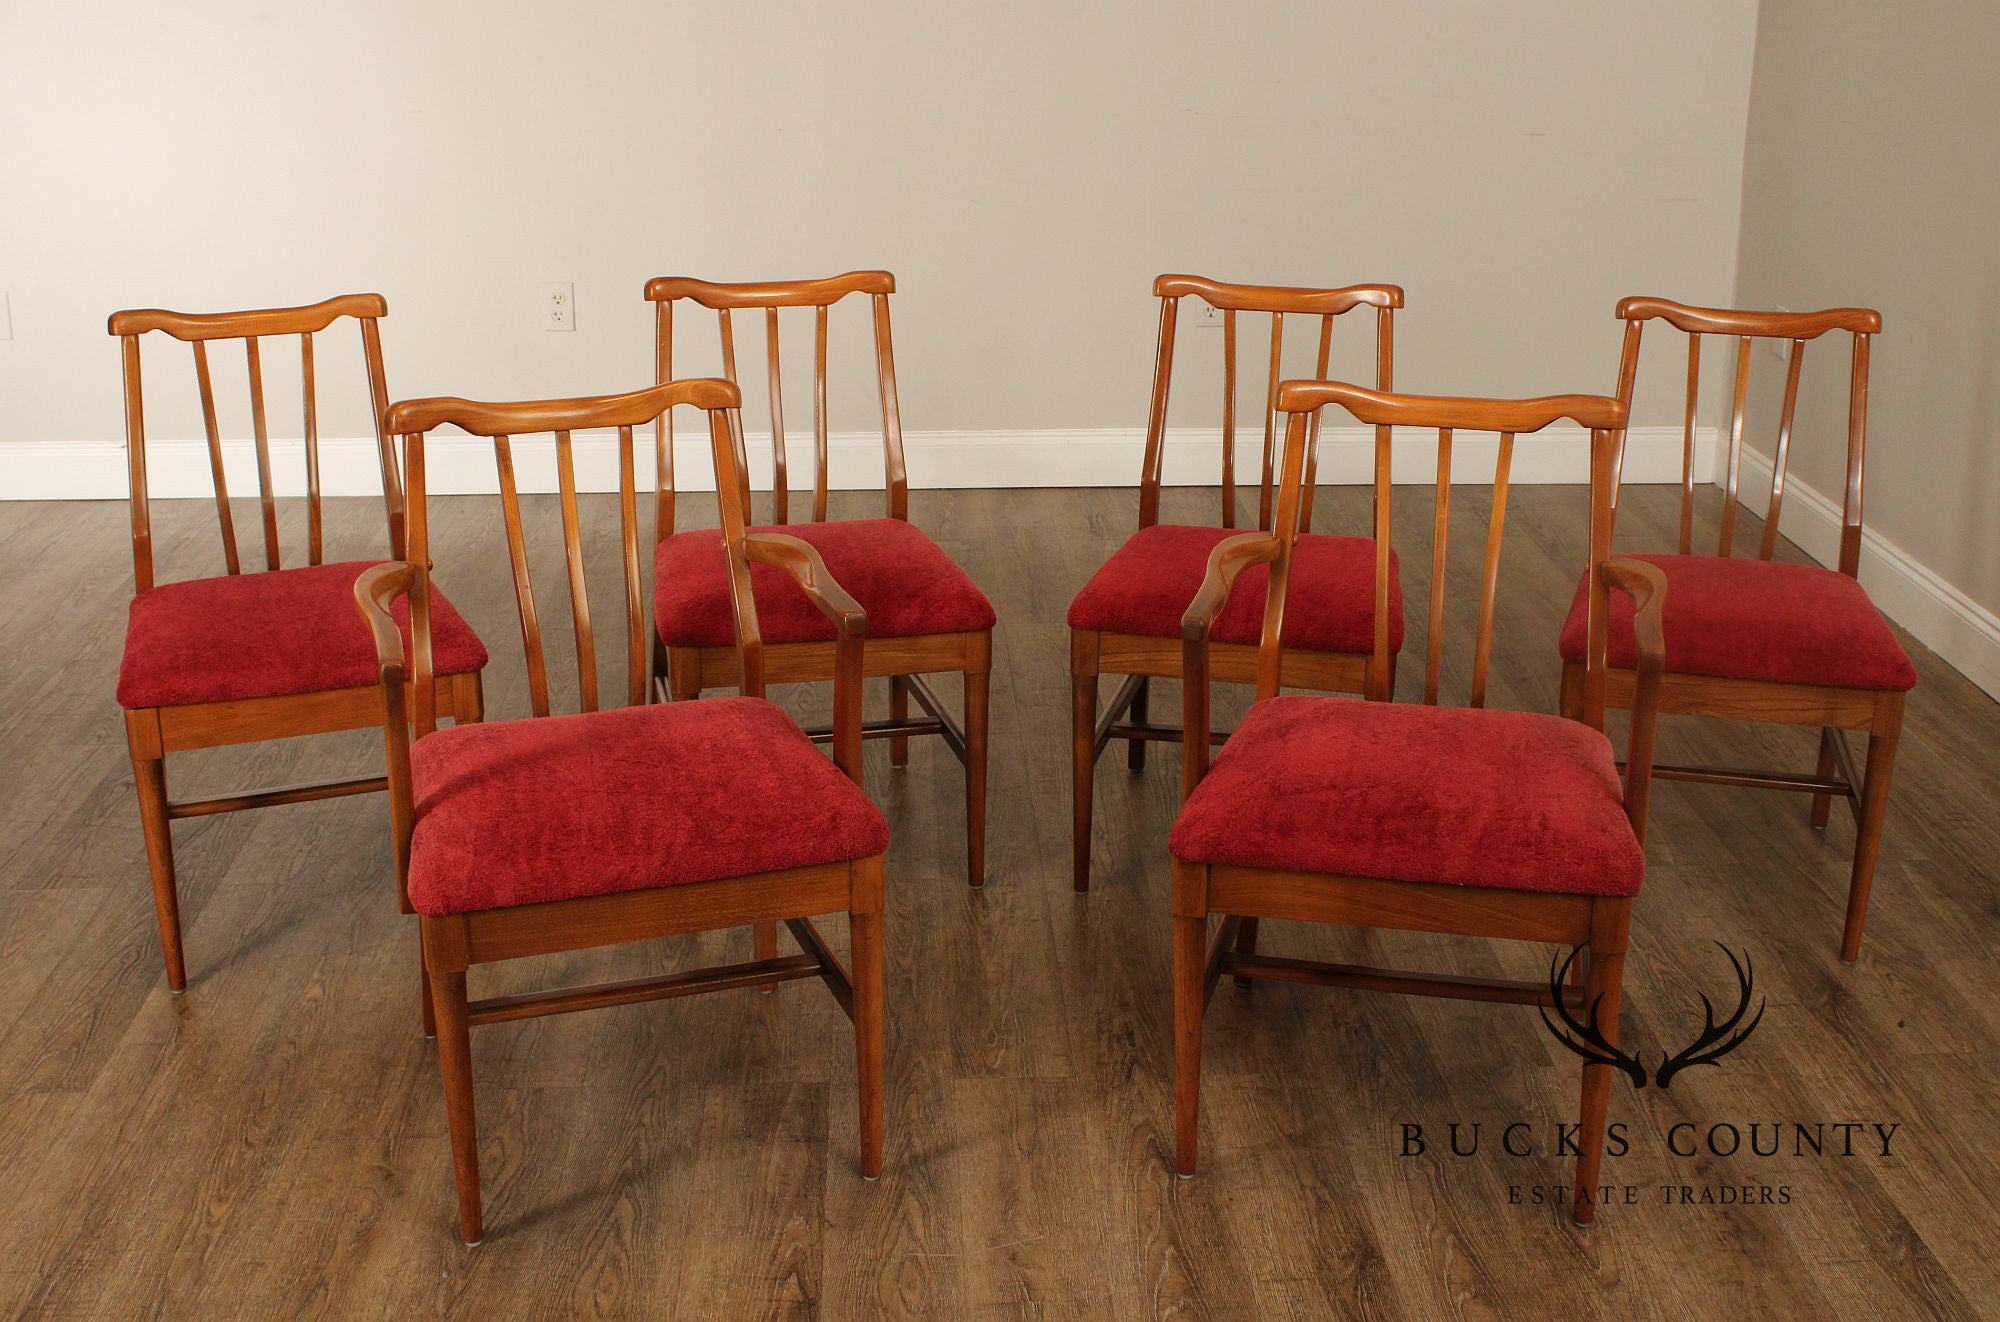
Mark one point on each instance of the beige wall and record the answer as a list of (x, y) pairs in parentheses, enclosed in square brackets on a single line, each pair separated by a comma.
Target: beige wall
[(1025, 170), (1872, 178)]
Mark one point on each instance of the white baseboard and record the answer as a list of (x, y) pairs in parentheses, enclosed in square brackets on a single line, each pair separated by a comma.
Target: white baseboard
[(463, 465), (1911, 593)]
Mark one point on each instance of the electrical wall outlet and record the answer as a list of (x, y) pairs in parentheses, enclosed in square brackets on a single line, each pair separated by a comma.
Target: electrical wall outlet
[(559, 307), (1207, 315), (6, 318)]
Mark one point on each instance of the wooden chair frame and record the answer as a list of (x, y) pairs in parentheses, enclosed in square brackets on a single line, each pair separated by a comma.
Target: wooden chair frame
[(153, 732), (1835, 710), (687, 672), (1242, 896), (452, 944), (1138, 658)]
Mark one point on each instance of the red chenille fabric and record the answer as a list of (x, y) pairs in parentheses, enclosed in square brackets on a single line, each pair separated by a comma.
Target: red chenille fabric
[(1145, 588), (519, 812), (267, 635), (1455, 796), (1757, 619), (899, 576)]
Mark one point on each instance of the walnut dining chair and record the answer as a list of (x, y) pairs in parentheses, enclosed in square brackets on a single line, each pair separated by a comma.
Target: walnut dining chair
[(925, 616), (673, 818), (1758, 639), (1468, 821), (1126, 620), (265, 654)]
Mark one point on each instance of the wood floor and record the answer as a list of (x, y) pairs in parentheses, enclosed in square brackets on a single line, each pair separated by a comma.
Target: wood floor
[(273, 1143)]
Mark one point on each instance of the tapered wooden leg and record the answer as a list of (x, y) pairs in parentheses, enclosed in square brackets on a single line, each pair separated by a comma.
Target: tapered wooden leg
[(1868, 833), (1083, 768), (767, 948), (424, 988), (899, 709), (1190, 964), (470, 696), (684, 675), (865, 934), (1135, 749), (149, 774), (1246, 944), (1572, 692), (977, 683), (1822, 804), (1610, 924), (455, 1065)]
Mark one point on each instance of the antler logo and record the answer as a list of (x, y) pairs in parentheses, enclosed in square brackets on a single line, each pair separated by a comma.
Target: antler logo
[(1587, 1039)]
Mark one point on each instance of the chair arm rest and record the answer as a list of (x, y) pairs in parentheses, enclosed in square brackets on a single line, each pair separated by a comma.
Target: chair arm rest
[(1230, 558), (1647, 587), (802, 561), (374, 593)]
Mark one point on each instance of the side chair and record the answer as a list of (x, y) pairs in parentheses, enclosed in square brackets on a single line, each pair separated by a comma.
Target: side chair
[(925, 616), (576, 831), (265, 654), (1126, 620), (1468, 821), (1757, 639)]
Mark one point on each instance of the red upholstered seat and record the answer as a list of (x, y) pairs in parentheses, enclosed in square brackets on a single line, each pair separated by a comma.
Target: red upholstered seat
[(1757, 619), (518, 812), (899, 576), (1145, 588), (1458, 796), (267, 635)]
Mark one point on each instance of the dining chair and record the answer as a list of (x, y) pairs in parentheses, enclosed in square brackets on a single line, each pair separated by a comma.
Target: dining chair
[(1126, 620), (599, 827), (1468, 821), (925, 616), (1758, 639), (265, 654)]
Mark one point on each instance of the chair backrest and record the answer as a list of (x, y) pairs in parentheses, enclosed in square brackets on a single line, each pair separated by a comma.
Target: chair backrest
[(1279, 302), (1443, 415), (820, 296), (251, 327), (1748, 327), (502, 424)]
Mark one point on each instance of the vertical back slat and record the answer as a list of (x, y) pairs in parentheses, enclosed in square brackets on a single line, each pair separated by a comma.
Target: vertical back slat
[(1687, 444), (1270, 645), (780, 480), (1156, 416), (1628, 368), (1741, 394), (895, 471), (1379, 687), (1270, 421), (579, 594), (1781, 455), (1489, 588), (1309, 483), (378, 398), (222, 514), (1596, 626), (315, 523), (524, 587), (820, 455), (1857, 446), (663, 426), (736, 414), (635, 605), (267, 495), (1434, 643), (423, 666), (135, 465), (1229, 417)]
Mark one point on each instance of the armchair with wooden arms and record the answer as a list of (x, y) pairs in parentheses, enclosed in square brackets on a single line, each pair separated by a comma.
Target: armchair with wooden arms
[(566, 832), (1467, 821)]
